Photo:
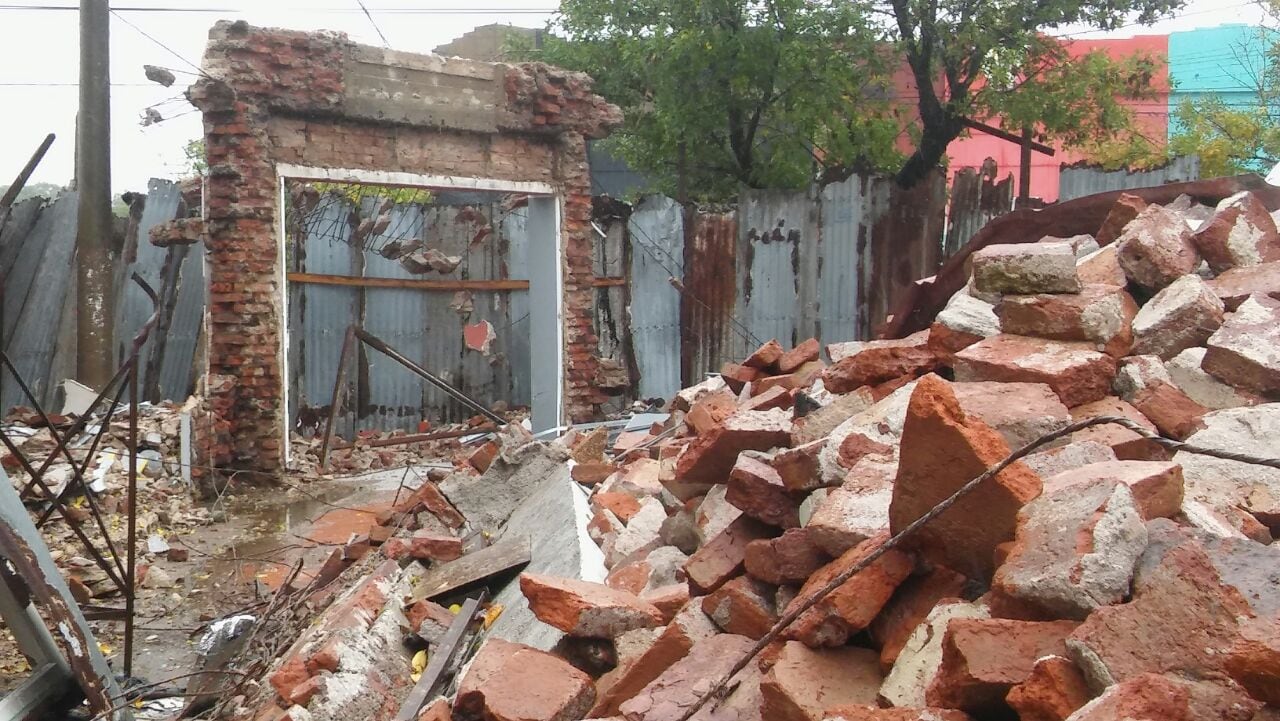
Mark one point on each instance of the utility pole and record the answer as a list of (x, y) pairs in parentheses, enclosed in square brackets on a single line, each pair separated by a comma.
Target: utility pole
[(94, 267)]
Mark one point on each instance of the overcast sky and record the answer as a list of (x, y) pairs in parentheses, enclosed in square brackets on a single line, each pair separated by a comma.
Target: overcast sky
[(39, 52)]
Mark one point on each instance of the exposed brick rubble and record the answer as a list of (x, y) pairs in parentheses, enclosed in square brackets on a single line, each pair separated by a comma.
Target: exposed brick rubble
[(1102, 577)]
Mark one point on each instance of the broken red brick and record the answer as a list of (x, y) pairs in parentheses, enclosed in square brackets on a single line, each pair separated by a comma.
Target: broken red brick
[(1126, 444), (803, 683), (302, 694), (1054, 690), (909, 607), (289, 676), (509, 682), (1126, 208), (1102, 267), (806, 352), (428, 546), (789, 558), (942, 449), (1157, 486), (1100, 315), (982, 658), (1181, 316), (591, 474), (709, 458), (622, 505), (1156, 249), (709, 411), (874, 713), (585, 609), (1240, 233), (668, 696), (482, 457), (766, 357), (798, 467), (756, 489), (1254, 659), (1169, 698), (1076, 372), (689, 626), (743, 606), (738, 376), (854, 604), (1242, 352), (1236, 285), (668, 599), (1170, 409), (862, 363), (722, 556)]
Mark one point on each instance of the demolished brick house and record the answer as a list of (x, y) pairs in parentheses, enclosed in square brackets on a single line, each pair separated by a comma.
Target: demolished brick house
[(281, 104), (763, 550)]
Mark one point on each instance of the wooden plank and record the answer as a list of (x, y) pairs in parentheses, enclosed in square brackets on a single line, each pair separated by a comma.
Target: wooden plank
[(472, 568), (441, 285), (441, 654)]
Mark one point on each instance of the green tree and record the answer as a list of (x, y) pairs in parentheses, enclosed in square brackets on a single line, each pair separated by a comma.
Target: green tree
[(972, 59), (762, 93), (777, 93)]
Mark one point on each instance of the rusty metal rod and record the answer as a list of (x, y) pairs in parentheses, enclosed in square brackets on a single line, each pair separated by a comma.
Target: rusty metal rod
[(131, 535), (24, 175), (339, 386), (418, 438), (381, 346)]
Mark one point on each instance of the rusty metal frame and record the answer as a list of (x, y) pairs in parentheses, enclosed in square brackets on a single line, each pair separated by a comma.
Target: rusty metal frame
[(120, 571), (357, 334)]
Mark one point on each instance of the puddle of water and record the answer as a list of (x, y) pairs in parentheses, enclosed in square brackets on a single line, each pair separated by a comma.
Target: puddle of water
[(307, 527)]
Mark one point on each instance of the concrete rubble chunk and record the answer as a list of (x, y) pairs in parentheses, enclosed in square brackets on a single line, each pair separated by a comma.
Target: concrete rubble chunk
[(1076, 372), (818, 424), (1082, 244), (756, 489), (921, 657), (790, 558), (1169, 698), (805, 682), (965, 321), (1183, 315), (910, 606), (1057, 460), (942, 449), (1186, 372), (854, 604), (1156, 248), (881, 424), (1236, 285), (1126, 208), (1099, 314), (1075, 550), (851, 514), (1182, 619), (1240, 233), (1102, 267), (743, 606), (982, 658), (511, 682), (1054, 690), (1019, 412), (1222, 483), (689, 626), (641, 533), (710, 410), (798, 466), (1157, 486), (862, 363), (1026, 268), (709, 458), (1245, 351), (584, 609), (722, 556), (685, 399), (668, 696), (714, 513)]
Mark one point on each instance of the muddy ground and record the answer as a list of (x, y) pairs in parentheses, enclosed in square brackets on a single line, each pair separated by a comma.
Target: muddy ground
[(253, 542)]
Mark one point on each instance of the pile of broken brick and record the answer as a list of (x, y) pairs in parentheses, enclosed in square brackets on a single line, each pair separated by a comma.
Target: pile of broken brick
[(1103, 576)]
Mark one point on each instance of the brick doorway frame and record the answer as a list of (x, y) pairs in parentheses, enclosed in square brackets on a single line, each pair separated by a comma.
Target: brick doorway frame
[(545, 270)]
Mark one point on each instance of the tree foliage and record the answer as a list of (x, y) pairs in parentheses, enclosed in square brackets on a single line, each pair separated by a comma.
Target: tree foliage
[(1239, 136), (778, 93), (973, 59), (763, 93)]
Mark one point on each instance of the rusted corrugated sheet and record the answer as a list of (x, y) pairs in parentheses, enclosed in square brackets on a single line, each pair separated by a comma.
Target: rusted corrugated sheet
[(711, 270), (1077, 181), (976, 198), (849, 210), (904, 244)]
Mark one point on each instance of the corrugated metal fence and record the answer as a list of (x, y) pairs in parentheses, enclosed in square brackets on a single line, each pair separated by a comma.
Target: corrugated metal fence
[(825, 263), (37, 260), (1077, 181)]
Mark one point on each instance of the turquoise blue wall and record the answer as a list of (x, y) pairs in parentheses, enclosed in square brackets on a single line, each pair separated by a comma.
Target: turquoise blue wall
[(1224, 61)]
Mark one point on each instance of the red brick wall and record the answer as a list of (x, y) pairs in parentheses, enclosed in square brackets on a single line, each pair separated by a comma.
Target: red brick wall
[(275, 96)]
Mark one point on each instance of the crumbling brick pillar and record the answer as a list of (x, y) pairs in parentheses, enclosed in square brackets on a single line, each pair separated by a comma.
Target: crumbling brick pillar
[(317, 100)]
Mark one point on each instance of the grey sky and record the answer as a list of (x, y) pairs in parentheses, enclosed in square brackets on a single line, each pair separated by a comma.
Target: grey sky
[(39, 49)]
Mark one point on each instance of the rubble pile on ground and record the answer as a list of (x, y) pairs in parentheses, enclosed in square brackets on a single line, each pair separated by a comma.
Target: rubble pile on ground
[(1101, 577)]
